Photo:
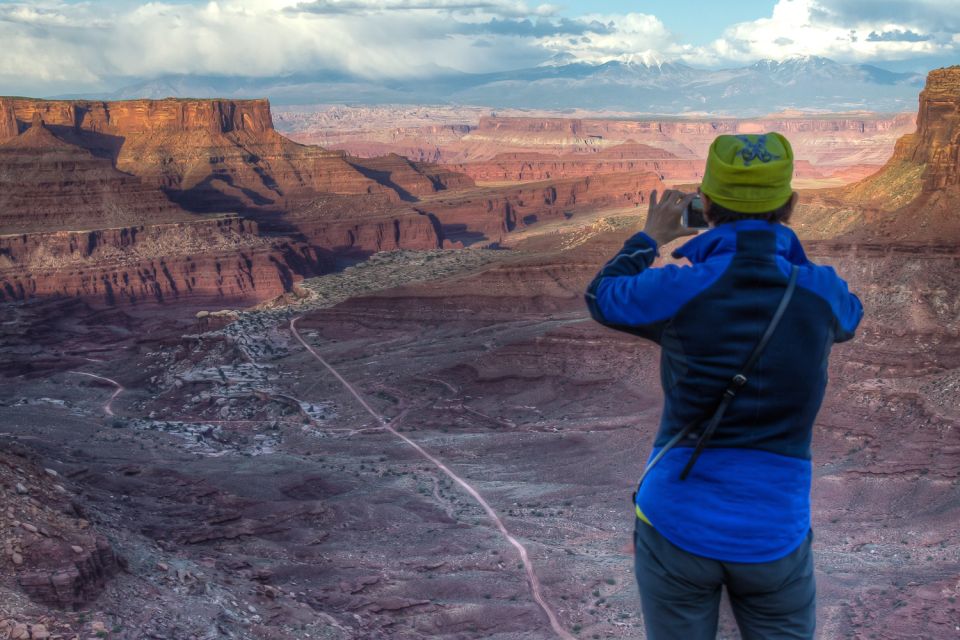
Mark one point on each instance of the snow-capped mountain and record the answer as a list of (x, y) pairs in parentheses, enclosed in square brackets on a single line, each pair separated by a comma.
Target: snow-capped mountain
[(635, 85)]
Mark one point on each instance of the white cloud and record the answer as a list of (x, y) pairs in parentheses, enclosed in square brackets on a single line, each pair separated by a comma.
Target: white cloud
[(55, 46), (75, 45), (845, 30), (635, 36)]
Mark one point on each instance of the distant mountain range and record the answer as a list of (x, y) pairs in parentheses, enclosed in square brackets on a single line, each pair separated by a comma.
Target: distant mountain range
[(807, 83)]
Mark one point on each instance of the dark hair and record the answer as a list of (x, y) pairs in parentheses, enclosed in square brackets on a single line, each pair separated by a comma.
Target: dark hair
[(719, 214)]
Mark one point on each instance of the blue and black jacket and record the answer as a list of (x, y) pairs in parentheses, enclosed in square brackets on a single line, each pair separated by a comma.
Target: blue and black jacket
[(747, 499)]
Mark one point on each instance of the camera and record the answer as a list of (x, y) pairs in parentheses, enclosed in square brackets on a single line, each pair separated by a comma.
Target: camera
[(693, 215)]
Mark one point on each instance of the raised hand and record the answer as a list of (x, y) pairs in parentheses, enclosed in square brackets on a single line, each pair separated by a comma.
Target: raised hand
[(664, 216)]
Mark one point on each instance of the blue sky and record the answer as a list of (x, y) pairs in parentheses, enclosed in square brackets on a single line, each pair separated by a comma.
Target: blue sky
[(63, 46)]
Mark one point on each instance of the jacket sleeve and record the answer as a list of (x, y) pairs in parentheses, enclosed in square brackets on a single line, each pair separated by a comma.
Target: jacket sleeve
[(622, 294), (849, 312)]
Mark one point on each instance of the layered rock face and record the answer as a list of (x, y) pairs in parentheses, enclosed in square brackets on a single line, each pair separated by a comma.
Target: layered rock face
[(827, 141), (333, 222), (411, 179), (625, 158), (8, 120), (936, 144), (223, 260), (125, 182), (77, 226), (130, 117), (560, 127), (99, 172), (488, 216), (210, 155), (913, 198), (48, 184), (841, 148)]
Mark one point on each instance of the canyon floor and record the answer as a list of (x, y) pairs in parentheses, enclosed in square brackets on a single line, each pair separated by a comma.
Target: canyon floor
[(305, 469)]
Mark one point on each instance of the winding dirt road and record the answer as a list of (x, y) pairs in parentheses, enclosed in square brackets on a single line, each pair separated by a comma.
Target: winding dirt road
[(535, 589), (106, 405)]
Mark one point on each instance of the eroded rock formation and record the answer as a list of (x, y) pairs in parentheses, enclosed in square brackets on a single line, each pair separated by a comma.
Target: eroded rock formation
[(223, 259), (628, 157), (411, 179), (488, 216), (47, 184), (111, 201), (842, 148), (110, 176), (913, 198), (209, 155), (936, 144)]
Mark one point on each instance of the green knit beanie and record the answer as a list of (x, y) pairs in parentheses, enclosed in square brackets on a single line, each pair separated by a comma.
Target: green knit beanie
[(749, 173)]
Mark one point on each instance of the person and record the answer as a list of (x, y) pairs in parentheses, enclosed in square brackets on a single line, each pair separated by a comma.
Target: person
[(730, 505)]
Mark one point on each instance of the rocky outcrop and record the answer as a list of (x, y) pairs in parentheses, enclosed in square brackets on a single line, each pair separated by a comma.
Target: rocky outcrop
[(222, 259), (487, 216), (625, 158), (132, 117), (48, 184), (210, 155), (77, 226), (410, 180), (217, 155), (8, 121), (913, 197), (332, 222), (74, 581), (124, 183), (54, 554), (936, 144)]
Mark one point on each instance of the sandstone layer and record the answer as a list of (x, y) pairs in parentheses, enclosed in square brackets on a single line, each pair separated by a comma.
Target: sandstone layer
[(489, 216), (47, 184), (81, 165), (839, 148), (120, 175), (628, 157), (223, 260), (209, 155), (75, 225), (913, 197)]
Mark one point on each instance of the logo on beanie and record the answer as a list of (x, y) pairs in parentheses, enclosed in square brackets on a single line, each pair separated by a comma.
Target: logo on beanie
[(755, 150)]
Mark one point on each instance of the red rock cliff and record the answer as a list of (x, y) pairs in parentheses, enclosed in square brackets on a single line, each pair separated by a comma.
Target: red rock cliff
[(564, 126), (139, 116), (8, 120), (487, 216), (47, 184), (913, 198), (624, 158), (936, 143), (223, 260), (107, 164), (210, 155)]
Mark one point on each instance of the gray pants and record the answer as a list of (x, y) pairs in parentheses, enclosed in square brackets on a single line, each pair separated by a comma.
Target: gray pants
[(680, 592)]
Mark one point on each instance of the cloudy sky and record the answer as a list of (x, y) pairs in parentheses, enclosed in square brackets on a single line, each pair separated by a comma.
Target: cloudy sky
[(61, 46)]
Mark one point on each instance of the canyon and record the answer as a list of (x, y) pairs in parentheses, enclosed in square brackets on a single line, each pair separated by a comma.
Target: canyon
[(417, 431), (521, 146), (129, 172)]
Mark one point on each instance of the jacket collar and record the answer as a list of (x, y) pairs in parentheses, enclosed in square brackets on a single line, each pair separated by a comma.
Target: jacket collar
[(723, 239)]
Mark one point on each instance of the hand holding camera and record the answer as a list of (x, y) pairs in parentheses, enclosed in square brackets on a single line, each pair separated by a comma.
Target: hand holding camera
[(673, 216)]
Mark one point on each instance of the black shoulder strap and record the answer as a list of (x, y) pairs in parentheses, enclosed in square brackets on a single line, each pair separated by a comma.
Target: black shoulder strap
[(730, 392)]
